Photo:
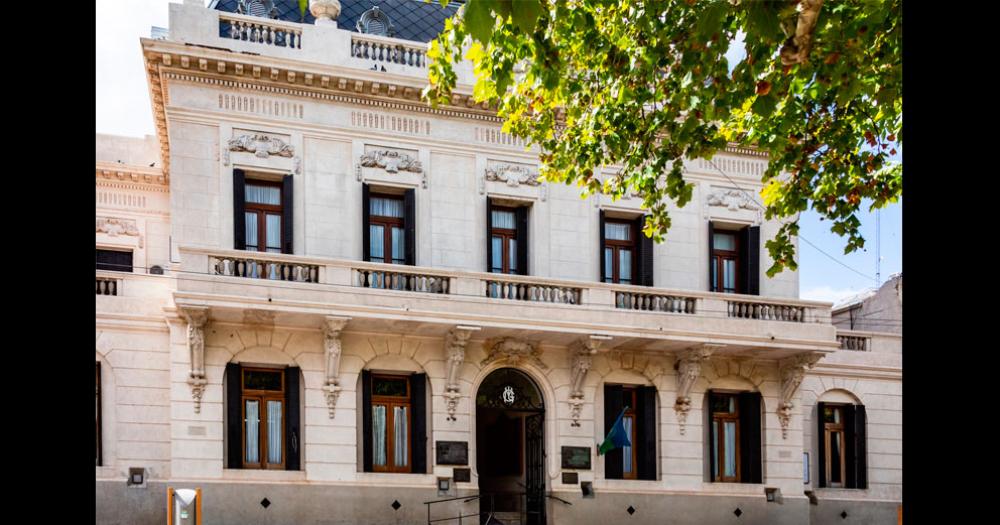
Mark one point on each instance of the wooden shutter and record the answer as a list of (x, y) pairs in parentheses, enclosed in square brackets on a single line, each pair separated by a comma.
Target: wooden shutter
[(613, 404), (100, 429), (239, 210), (418, 402), (860, 448), (366, 419), (646, 432), (234, 416), (752, 260), (600, 249), (711, 250), (710, 433), (821, 449), (286, 215), (489, 235), (521, 216), (410, 226), (853, 453), (750, 440), (293, 431), (366, 236), (644, 254)]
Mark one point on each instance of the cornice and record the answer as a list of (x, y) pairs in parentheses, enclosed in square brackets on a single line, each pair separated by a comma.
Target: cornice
[(131, 177)]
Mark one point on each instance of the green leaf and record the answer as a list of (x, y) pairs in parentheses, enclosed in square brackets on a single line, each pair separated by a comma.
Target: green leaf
[(479, 20), (762, 20), (303, 6), (525, 15), (711, 18)]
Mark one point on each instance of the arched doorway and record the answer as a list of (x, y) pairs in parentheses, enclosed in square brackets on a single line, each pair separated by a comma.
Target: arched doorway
[(510, 453)]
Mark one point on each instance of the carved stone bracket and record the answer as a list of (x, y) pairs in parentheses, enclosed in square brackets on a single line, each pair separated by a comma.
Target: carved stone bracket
[(261, 145), (688, 371), (391, 161), (792, 371), (583, 359), (454, 347), (332, 326), (196, 318), (514, 351)]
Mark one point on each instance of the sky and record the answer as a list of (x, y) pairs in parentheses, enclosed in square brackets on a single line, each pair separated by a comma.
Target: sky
[(123, 108)]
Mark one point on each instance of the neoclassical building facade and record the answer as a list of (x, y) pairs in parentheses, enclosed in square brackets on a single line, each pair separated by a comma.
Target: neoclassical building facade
[(320, 300)]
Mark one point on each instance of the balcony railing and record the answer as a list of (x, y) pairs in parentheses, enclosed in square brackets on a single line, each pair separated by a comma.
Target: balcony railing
[(264, 267), (108, 286), (766, 311), (260, 30), (384, 50), (653, 302), (526, 290), (400, 279), (854, 342)]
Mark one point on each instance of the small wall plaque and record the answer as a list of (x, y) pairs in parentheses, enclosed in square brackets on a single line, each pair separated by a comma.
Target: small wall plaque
[(452, 453), (570, 478), (462, 474), (576, 458)]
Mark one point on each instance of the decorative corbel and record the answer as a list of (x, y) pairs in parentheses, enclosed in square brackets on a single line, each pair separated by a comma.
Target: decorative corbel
[(196, 318), (332, 327), (583, 359), (688, 371), (792, 371), (454, 347)]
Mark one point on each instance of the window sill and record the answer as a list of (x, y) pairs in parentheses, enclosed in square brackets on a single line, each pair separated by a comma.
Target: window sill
[(729, 487), (263, 475)]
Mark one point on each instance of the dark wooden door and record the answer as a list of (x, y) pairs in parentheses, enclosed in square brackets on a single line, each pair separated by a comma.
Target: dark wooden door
[(535, 469)]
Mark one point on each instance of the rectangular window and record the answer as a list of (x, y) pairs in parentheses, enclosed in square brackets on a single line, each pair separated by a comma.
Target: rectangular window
[(725, 262), (833, 438), (503, 236), (263, 400), (725, 437), (263, 216), (387, 237), (114, 260), (619, 250), (391, 408)]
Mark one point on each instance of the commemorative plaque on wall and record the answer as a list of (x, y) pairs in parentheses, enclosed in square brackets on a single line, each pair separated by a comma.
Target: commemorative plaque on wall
[(452, 453), (576, 458)]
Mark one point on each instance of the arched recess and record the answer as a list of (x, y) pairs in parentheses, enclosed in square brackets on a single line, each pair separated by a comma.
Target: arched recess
[(109, 417), (839, 395), (852, 418), (732, 378)]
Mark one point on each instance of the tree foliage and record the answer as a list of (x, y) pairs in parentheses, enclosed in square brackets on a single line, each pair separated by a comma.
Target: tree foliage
[(646, 85)]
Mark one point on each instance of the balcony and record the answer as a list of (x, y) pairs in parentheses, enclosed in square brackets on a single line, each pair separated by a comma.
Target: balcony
[(131, 295), (300, 290), (879, 342)]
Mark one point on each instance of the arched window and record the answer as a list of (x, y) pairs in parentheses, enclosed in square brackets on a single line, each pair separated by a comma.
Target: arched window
[(734, 436)]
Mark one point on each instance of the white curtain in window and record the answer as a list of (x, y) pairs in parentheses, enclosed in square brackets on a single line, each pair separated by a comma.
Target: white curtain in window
[(252, 430), (386, 207), (512, 245), (730, 435), (627, 451), (274, 432), (273, 233), (502, 219), (496, 263), (377, 239), (617, 231), (378, 435), (608, 268), (263, 194), (401, 436), (625, 265), (729, 274), (724, 241), (398, 246), (251, 231)]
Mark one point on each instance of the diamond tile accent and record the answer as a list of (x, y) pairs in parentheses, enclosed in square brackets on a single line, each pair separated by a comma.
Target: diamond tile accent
[(843, 515), (630, 510), (396, 504), (738, 512), (265, 503)]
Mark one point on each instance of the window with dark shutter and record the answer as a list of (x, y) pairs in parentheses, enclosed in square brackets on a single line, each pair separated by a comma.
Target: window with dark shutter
[(644, 253), (286, 214), (735, 437), (648, 460), (620, 261), (98, 374), (394, 419), (410, 209), (841, 443), (266, 218), (239, 210), (114, 260), (638, 461), (388, 229), (262, 412), (751, 457), (613, 404), (522, 239)]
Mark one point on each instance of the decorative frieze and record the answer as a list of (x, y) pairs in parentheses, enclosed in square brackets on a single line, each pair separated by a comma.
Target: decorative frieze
[(392, 161), (113, 227), (731, 199), (196, 318), (261, 106), (513, 352), (454, 347), (583, 359), (332, 326), (792, 371), (261, 145), (384, 122), (688, 366), (511, 174)]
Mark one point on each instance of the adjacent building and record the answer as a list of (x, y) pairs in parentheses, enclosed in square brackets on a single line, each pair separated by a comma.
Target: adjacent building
[(321, 300)]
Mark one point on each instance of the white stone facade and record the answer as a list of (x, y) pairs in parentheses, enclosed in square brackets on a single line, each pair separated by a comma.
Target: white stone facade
[(161, 412)]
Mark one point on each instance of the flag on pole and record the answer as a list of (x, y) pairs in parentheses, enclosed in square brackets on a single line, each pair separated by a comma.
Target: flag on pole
[(617, 437)]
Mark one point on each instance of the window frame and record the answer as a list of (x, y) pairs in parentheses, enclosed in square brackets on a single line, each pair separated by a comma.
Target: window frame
[(387, 224), (262, 211), (507, 235), (391, 402), (828, 430), (719, 257), (129, 251), (632, 393), (616, 246), (716, 420), (262, 397)]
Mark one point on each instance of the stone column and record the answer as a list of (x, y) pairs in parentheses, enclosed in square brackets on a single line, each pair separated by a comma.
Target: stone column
[(196, 318), (332, 326)]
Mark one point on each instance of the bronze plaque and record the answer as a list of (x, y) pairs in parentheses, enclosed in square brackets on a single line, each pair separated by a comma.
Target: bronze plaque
[(452, 453), (462, 474), (576, 458), (571, 478)]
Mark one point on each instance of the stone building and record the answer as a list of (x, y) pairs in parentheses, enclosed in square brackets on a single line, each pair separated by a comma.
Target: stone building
[(322, 301)]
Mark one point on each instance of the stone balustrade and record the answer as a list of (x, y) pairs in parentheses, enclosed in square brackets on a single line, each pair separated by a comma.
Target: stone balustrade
[(108, 286), (400, 280), (765, 311), (653, 302), (263, 267), (260, 30), (388, 50), (854, 342), (496, 288)]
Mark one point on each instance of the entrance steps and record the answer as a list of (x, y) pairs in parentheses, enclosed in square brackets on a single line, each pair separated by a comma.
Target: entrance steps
[(506, 518)]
